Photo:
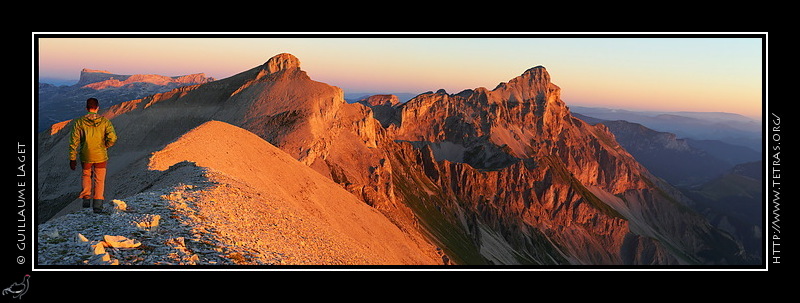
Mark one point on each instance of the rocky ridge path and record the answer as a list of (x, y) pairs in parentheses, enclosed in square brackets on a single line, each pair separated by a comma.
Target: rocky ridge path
[(221, 195), (209, 219), (159, 229)]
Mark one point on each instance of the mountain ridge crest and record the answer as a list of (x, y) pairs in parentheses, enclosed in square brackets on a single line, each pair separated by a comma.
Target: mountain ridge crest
[(101, 79)]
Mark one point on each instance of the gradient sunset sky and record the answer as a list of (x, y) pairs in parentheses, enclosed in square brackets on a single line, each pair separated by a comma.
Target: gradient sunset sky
[(688, 72)]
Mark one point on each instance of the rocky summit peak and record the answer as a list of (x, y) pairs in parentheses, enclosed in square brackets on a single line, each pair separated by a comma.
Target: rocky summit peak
[(283, 61), (538, 73)]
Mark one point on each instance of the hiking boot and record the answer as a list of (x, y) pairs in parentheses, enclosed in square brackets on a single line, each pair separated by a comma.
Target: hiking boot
[(87, 203), (97, 206)]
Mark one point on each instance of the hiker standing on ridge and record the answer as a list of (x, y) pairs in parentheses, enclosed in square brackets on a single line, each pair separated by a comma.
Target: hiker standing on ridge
[(91, 135)]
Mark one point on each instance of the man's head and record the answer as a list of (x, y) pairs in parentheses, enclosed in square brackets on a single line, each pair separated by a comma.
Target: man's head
[(92, 105)]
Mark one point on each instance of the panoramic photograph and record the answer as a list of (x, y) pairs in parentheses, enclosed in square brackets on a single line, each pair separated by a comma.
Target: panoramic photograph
[(398, 151)]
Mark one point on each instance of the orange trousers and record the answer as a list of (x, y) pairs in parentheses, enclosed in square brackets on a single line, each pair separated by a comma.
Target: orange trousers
[(93, 180)]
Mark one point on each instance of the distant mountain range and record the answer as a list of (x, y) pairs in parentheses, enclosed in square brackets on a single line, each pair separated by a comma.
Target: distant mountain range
[(726, 127), (356, 96), (63, 102), (680, 161)]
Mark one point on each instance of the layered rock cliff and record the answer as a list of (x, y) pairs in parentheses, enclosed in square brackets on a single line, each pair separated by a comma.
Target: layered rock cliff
[(100, 79), (513, 160)]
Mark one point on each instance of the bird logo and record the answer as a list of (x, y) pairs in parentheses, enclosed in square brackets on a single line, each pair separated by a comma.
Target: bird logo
[(18, 289)]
